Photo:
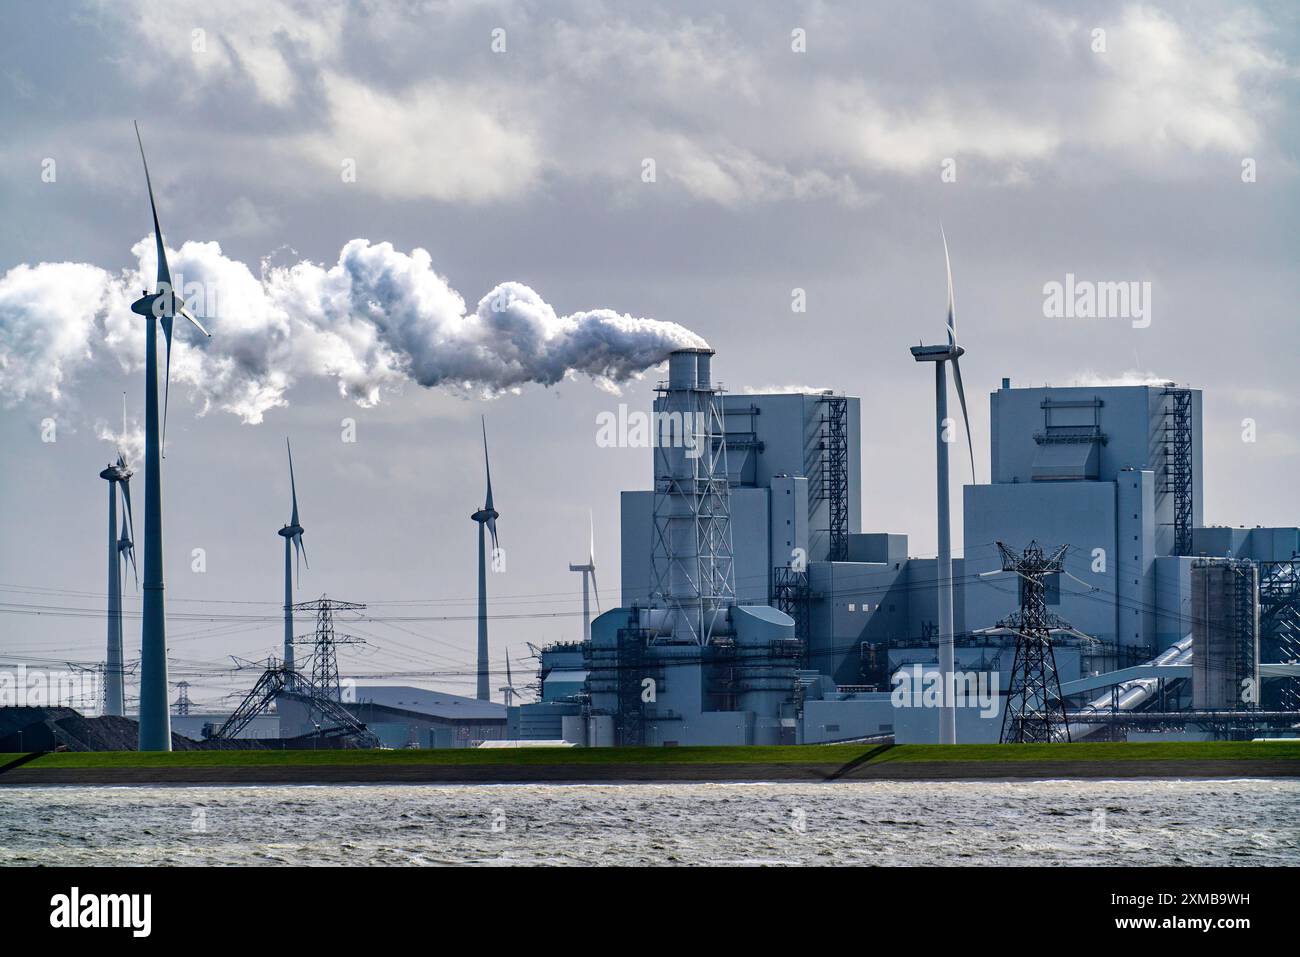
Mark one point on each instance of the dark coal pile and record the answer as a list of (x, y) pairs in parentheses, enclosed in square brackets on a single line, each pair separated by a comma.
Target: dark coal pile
[(49, 729)]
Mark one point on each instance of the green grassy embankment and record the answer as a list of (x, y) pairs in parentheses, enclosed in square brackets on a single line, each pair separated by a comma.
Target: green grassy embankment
[(822, 755)]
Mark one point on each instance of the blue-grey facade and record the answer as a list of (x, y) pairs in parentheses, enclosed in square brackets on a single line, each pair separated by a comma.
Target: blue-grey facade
[(1092, 468)]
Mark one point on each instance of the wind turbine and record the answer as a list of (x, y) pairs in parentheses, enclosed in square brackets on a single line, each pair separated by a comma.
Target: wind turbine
[(588, 574), (485, 516), (291, 533), (508, 690), (118, 476), (161, 305), (940, 355)]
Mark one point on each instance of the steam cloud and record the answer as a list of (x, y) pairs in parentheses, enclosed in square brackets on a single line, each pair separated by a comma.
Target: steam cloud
[(374, 320)]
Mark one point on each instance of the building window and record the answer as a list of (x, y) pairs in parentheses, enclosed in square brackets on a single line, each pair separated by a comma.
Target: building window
[(852, 607)]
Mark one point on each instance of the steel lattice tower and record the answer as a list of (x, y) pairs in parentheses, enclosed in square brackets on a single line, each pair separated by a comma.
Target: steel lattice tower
[(183, 702), (1178, 465), (691, 576), (1034, 709), (324, 661), (834, 446)]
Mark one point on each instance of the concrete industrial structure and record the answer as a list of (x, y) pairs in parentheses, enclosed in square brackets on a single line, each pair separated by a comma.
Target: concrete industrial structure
[(806, 625), (405, 717), (1225, 633)]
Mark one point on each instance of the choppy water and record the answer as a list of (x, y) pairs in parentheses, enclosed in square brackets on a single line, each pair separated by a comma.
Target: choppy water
[(1079, 822)]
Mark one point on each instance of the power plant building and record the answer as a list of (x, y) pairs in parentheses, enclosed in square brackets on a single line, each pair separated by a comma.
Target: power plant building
[(820, 626)]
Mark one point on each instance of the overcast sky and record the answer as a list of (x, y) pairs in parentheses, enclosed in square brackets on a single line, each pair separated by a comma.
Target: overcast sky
[(795, 146)]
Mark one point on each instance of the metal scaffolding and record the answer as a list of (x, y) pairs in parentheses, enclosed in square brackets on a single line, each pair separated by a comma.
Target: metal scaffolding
[(834, 472), (1246, 613), (792, 595), (618, 670), (277, 680), (628, 725), (1279, 623), (321, 692), (1178, 464), (692, 572), (1035, 711)]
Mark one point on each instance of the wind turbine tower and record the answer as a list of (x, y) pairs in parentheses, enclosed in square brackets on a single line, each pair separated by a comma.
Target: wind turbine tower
[(118, 477), (588, 576), (486, 517), (159, 308), (940, 355), (292, 535)]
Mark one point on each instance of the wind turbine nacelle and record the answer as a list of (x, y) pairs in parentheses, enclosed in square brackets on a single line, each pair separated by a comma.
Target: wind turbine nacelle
[(157, 305), (936, 353), (144, 306)]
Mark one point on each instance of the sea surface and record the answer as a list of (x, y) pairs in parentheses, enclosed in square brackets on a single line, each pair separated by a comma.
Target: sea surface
[(1238, 822)]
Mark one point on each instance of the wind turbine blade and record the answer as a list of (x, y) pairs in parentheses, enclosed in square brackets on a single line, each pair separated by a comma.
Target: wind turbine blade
[(126, 552), (961, 398), (591, 547), (167, 377), (492, 527), (293, 486), (126, 502), (952, 309), (300, 553), (510, 681), (164, 273), (135, 572), (595, 590), (198, 325), (487, 467)]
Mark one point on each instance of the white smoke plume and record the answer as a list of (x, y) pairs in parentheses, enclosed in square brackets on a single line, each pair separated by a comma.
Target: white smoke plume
[(1128, 377), (785, 389), (376, 319)]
